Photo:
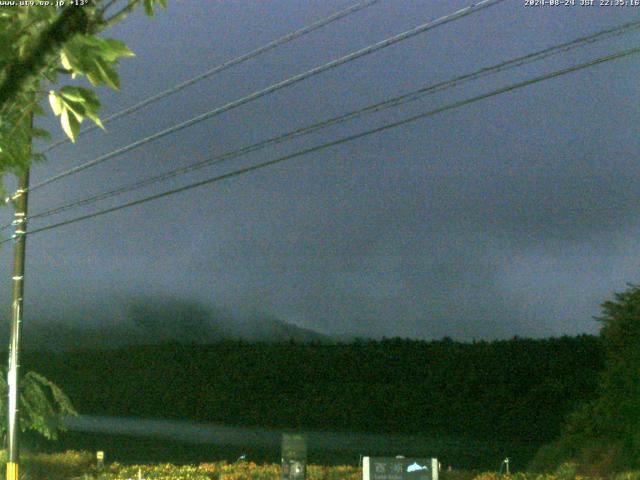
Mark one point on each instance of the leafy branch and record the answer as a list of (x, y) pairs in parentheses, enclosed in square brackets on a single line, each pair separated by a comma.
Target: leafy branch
[(37, 45)]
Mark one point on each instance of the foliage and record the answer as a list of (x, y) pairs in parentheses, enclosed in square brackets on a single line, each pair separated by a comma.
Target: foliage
[(619, 402), (58, 466), (603, 435), (81, 465), (37, 45), (526, 476), (630, 475), (566, 471), (413, 387), (457, 397), (40, 406), (448, 473), (224, 471), (548, 457)]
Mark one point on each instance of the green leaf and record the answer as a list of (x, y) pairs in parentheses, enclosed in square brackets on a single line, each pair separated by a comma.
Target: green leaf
[(93, 79), (56, 103), (116, 49), (70, 124), (70, 61), (72, 93), (79, 54), (96, 120), (82, 95), (82, 101), (148, 7), (64, 60), (107, 74), (76, 108), (91, 114)]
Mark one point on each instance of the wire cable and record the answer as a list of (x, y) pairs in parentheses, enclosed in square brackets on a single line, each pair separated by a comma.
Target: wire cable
[(278, 86), (259, 166), (220, 68), (377, 107)]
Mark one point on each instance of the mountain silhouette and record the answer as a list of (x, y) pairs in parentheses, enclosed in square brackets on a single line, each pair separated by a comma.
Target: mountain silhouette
[(152, 321)]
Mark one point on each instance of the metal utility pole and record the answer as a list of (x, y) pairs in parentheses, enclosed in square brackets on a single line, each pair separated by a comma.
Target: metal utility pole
[(19, 237)]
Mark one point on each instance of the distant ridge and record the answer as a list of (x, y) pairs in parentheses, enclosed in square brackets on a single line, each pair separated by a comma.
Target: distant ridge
[(155, 322)]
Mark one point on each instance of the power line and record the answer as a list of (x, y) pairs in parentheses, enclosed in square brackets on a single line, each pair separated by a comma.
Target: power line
[(278, 86), (224, 66), (430, 113), (393, 102)]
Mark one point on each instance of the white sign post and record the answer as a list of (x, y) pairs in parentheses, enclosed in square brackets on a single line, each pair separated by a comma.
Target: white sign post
[(399, 468)]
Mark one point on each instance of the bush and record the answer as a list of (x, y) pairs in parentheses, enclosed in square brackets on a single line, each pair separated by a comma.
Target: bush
[(633, 475), (57, 466), (73, 465), (567, 471), (548, 458), (222, 471), (446, 474)]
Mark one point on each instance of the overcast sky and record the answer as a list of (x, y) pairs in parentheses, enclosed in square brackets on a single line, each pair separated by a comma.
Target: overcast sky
[(516, 215)]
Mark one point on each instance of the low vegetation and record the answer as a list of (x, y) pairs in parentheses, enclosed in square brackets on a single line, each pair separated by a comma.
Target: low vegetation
[(74, 465)]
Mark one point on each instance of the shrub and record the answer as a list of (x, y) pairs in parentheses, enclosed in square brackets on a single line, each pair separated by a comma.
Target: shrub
[(57, 466)]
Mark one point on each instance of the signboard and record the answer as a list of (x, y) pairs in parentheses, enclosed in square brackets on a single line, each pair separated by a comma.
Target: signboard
[(294, 457), (389, 468)]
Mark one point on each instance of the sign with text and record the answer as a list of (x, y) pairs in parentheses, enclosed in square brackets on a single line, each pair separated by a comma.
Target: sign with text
[(294, 457), (389, 468)]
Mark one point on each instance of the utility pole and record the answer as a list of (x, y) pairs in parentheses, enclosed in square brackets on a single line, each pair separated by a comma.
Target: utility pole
[(20, 222)]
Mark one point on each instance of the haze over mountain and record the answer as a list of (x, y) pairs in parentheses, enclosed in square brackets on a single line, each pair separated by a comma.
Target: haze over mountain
[(148, 320)]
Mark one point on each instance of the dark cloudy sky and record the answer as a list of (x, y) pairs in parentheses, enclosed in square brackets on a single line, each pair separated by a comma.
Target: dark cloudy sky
[(517, 215)]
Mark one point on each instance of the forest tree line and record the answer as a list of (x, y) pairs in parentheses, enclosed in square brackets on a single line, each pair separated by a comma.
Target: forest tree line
[(519, 389)]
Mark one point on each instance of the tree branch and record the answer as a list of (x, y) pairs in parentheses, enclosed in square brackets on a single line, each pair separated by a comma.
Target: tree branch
[(108, 5), (71, 21), (121, 15)]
